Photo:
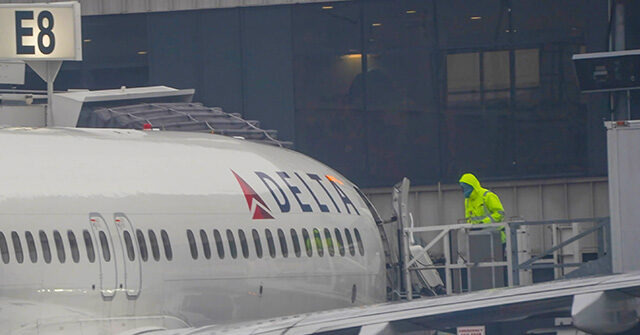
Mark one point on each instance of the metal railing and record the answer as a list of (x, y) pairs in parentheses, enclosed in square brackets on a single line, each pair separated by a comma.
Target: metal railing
[(602, 229), (511, 261)]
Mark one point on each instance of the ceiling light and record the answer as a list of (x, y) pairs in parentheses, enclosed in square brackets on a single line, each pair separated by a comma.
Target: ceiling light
[(142, 52), (87, 40), (327, 7), (475, 17), (376, 24), (411, 11)]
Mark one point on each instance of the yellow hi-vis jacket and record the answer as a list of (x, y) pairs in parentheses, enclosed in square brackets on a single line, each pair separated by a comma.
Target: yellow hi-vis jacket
[(482, 206)]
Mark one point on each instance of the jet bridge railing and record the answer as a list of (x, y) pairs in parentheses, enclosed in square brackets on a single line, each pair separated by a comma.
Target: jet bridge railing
[(511, 262), (461, 263), (600, 226)]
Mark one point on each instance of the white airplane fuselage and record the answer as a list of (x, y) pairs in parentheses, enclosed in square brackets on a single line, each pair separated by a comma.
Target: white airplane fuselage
[(111, 190)]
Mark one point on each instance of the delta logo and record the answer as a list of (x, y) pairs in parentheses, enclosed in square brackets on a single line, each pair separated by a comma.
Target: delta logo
[(296, 184)]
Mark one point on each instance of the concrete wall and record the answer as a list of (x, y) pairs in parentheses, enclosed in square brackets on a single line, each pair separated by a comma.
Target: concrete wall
[(104, 7), (529, 199)]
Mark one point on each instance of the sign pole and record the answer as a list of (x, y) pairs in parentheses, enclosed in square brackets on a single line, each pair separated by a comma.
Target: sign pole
[(48, 71)]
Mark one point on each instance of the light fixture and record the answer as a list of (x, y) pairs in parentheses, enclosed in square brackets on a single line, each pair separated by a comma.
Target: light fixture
[(87, 40), (352, 56), (411, 11), (327, 7), (475, 17), (377, 24), (142, 52)]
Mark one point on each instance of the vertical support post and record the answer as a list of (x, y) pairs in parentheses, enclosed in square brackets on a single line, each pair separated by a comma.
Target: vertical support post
[(447, 262), (48, 71), (600, 240), (507, 254), (405, 262), (468, 261), (512, 250)]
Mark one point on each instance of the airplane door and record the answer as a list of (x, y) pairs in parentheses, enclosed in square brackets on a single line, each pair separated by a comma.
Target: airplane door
[(129, 244), (105, 253)]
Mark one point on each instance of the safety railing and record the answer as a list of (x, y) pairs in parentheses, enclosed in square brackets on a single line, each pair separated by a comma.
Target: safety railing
[(601, 227), (511, 261)]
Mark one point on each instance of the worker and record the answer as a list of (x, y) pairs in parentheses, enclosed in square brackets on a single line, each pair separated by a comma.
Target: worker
[(480, 204)]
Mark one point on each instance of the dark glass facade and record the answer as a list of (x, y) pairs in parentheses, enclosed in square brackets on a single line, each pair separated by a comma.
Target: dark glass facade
[(381, 89)]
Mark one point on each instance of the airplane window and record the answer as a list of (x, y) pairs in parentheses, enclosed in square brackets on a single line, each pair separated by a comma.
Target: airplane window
[(205, 244), (59, 246), (129, 245), (192, 244), (296, 242), (243, 243), (106, 253), (270, 244), (316, 236), (17, 246), (360, 246), (167, 245), (307, 242), (339, 241), (352, 249), (256, 241), (142, 244), (219, 245), (44, 243), (88, 242), (31, 245), (283, 243), (327, 236), (153, 241), (75, 254), (232, 244), (4, 249)]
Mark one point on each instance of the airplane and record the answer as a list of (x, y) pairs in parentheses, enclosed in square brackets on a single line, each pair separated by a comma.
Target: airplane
[(118, 231)]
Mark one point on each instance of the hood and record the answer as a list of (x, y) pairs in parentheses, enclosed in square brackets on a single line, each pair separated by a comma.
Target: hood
[(470, 179)]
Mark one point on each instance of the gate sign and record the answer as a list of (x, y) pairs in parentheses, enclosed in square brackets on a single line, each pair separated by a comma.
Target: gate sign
[(35, 32)]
